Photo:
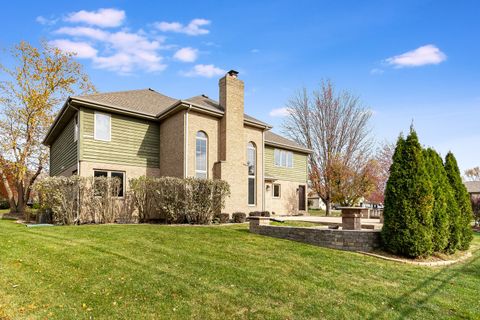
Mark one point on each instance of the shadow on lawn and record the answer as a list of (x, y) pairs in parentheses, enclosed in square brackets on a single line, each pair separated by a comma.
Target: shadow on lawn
[(406, 308)]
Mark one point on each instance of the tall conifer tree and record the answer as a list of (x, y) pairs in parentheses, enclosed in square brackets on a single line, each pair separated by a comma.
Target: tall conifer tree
[(407, 228), (463, 200), (440, 184)]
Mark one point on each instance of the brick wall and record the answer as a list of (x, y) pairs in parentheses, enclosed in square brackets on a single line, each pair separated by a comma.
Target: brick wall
[(351, 240)]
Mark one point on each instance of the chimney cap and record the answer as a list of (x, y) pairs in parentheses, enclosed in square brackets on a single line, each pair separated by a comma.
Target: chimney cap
[(233, 73)]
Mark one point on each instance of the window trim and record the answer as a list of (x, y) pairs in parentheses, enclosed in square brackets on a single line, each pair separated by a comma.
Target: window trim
[(95, 126), (206, 154), (279, 190), (251, 146)]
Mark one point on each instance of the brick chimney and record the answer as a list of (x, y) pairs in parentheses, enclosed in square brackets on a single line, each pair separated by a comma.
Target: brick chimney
[(231, 125)]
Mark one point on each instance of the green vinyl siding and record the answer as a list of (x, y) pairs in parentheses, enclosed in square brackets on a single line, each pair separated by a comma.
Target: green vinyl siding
[(298, 173), (133, 141), (63, 151)]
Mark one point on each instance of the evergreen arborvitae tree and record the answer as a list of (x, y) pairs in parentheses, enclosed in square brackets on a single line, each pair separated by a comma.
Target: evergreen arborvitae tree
[(407, 228), (441, 190), (463, 200)]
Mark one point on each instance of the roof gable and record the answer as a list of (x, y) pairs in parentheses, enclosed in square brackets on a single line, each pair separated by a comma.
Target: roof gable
[(274, 139), (144, 101)]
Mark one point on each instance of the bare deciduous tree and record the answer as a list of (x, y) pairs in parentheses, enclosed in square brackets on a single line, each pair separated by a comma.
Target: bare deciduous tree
[(473, 174), (335, 127), (383, 161), (39, 80)]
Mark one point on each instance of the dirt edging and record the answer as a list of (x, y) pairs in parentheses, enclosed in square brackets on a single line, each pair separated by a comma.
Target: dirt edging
[(419, 263)]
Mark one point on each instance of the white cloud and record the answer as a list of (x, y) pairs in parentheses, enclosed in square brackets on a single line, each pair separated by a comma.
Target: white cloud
[(280, 112), (194, 28), (428, 54), (186, 54), (120, 51), (93, 33), (46, 21), (376, 71), (82, 49), (204, 70), (102, 17)]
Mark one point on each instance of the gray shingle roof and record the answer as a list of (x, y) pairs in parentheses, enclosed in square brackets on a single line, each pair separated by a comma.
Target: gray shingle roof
[(273, 138), (208, 103), (472, 186), (151, 103), (145, 101)]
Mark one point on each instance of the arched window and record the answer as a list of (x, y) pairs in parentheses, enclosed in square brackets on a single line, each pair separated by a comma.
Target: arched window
[(201, 155), (252, 170)]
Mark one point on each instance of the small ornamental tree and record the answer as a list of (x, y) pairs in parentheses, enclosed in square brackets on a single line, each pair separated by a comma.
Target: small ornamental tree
[(407, 228), (441, 190), (463, 200)]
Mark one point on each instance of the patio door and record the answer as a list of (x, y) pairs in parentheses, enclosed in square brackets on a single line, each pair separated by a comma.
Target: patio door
[(301, 198)]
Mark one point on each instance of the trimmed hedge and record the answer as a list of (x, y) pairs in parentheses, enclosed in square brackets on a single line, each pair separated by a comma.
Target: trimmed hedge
[(239, 217), (222, 217), (77, 200)]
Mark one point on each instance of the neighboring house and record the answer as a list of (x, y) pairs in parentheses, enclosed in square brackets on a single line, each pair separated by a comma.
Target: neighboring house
[(315, 202), (473, 188), (142, 132)]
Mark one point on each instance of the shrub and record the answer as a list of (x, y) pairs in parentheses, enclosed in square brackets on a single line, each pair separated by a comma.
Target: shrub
[(462, 199), (255, 214), (239, 217), (222, 217), (407, 228), (265, 214), (76, 200), (176, 200), (36, 205), (4, 204)]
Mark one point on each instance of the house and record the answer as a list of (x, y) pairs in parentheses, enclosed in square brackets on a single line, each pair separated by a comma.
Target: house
[(142, 132), (315, 202), (473, 188)]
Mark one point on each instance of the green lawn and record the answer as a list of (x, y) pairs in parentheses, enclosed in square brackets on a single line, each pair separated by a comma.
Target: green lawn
[(293, 223), (168, 272), (320, 212)]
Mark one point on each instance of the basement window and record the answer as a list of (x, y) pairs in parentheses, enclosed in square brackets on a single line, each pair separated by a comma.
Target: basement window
[(111, 174), (276, 190)]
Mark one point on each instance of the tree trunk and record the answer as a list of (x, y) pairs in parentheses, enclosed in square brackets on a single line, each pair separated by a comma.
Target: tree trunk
[(327, 207), (21, 203)]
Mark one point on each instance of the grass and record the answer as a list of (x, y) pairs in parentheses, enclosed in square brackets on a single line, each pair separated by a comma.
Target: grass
[(224, 272), (293, 223), (322, 213)]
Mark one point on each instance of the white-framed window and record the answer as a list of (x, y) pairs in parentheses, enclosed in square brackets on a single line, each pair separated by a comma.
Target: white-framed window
[(276, 190), (111, 174), (201, 158), (283, 158), (102, 127), (252, 170), (75, 128)]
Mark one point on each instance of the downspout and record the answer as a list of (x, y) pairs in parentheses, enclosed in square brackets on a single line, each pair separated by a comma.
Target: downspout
[(185, 142), (77, 115), (263, 171)]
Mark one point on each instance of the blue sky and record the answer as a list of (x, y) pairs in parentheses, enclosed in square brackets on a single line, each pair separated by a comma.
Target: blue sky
[(407, 60)]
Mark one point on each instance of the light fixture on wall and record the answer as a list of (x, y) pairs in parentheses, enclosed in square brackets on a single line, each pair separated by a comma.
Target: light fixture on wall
[(267, 187)]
